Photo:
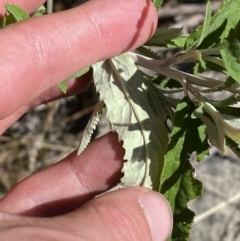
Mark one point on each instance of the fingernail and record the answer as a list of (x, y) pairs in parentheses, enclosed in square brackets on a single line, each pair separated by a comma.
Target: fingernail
[(158, 214)]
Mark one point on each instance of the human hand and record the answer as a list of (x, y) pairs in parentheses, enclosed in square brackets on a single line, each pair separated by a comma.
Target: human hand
[(58, 203)]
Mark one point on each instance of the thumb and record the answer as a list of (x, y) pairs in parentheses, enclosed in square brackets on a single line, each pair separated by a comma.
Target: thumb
[(130, 214)]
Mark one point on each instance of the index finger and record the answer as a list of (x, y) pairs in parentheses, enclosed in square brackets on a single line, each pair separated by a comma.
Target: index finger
[(40, 52)]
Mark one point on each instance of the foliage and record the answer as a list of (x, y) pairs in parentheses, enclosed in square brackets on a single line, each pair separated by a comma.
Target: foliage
[(165, 115)]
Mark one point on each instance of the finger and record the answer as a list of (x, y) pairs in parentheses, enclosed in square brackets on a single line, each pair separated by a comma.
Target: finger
[(28, 6), (74, 87), (69, 183), (127, 214), (8, 121), (40, 52)]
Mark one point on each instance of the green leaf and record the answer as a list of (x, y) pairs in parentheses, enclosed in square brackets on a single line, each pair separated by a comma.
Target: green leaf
[(178, 184), (63, 86), (195, 39), (206, 24), (157, 3), (233, 99), (228, 110), (231, 53), (232, 86), (198, 112), (122, 89), (228, 85), (177, 42), (18, 13), (91, 126), (222, 22), (8, 19), (163, 36), (167, 82), (40, 11), (14, 14), (202, 63), (148, 52), (214, 63), (80, 73)]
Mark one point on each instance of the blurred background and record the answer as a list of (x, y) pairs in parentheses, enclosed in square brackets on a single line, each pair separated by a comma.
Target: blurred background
[(49, 132)]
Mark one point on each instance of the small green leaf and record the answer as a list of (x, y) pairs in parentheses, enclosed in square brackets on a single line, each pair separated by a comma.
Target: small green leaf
[(228, 85), (228, 110), (80, 73), (148, 52), (198, 112), (221, 23), (231, 100), (18, 13), (206, 23), (163, 36), (63, 86), (8, 19), (214, 63), (40, 11), (178, 183), (157, 3), (195, 39), (177, 42), (14, 14), (231, 53), (201, 61)]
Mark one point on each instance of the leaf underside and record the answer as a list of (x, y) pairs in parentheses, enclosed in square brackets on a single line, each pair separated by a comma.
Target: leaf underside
[(91, 126), (122, 89)]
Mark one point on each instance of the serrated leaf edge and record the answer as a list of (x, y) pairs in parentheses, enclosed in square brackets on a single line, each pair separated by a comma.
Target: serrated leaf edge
[(91, 126)]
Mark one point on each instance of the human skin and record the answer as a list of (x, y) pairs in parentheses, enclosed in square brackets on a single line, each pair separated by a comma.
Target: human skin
[(60, 203)]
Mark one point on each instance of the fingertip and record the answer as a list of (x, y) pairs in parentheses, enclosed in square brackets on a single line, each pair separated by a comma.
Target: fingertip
[(158, 214), (132, 24), (137, 212)]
